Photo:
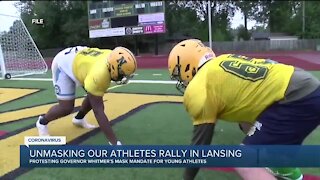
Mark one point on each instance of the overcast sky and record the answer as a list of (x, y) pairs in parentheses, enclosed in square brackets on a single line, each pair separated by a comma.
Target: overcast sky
[(7, 7)]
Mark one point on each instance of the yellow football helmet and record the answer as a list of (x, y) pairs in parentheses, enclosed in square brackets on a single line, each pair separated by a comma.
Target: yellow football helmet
[(185, 59), (122, 65)]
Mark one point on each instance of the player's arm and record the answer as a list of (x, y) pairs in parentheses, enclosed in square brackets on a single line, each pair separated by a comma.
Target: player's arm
[(202, 135), (203, 108), (95, 85), (98, 109)]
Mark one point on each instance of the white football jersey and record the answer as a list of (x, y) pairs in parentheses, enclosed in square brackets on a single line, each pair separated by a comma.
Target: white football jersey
[(65, 58)]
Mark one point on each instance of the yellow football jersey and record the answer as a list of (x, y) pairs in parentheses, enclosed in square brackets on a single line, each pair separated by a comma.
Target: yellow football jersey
[(235, 88), (90, 67)]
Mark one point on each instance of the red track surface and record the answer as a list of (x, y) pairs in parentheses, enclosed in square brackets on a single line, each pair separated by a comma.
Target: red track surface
[(303, 59)]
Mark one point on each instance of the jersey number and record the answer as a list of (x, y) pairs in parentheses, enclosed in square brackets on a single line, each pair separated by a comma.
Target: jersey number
[(240, 57), (90, 52), (244, 70), (75, 50)]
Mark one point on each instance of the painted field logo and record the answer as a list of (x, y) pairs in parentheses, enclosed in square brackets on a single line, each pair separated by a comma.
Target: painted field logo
[(37, 21), (10, 143)]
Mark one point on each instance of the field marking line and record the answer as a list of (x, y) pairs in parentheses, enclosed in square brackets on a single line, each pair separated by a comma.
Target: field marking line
[(11, 94), (131, 81), (152, 82), (27, 112), (10, 151), (30, 79)]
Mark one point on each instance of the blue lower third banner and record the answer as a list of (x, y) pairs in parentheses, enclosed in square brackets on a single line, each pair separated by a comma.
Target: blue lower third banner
[(169, 156)]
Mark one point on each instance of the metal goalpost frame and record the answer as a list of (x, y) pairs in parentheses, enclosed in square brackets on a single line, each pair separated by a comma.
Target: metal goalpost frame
[(2, 61), (46, 66), (209, 19), (2, 65)]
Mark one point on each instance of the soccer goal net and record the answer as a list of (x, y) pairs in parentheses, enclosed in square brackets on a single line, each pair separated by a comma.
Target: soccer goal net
[(19, 55)]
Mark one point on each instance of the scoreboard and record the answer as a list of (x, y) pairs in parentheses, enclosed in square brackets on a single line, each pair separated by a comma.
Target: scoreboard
[(120, 18)]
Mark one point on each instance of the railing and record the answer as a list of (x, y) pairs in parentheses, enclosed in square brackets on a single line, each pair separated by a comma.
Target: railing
[(267, 45)]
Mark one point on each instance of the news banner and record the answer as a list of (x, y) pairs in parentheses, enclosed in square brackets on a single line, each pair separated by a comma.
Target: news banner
[(52, 151)]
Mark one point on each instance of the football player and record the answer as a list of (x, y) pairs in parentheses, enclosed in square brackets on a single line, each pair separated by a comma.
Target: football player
[(93, 69), (281, 102)]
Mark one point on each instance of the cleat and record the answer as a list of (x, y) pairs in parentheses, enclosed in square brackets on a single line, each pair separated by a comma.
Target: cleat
[(42, 129), (83, 123)]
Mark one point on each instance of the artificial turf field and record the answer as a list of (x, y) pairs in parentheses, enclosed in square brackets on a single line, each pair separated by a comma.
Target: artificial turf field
[(142, 113)]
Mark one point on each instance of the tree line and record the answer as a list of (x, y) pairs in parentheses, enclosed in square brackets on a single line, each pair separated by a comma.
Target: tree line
[(66, 22)]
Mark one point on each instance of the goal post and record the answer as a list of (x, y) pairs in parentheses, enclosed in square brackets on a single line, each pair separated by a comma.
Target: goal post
[(2, 66), (19, 55)]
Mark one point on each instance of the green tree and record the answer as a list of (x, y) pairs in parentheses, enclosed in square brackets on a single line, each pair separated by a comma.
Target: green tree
[(221, 12), (243, 33), (280, 16), (286, 16), (76, 26), (182, 19), (65, 22), (312, 20), (248, 9)]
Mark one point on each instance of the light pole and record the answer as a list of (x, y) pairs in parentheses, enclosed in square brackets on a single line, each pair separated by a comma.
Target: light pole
[(303, 18)]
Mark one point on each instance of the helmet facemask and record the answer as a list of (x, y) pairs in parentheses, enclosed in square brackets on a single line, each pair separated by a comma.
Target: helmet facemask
[(122, 78), (176, 75), (185, 59)]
